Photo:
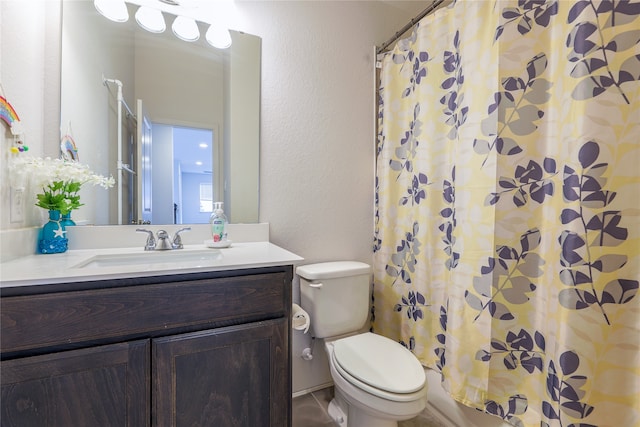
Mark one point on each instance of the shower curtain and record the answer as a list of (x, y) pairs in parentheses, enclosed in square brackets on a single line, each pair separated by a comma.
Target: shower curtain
[(507, 233)]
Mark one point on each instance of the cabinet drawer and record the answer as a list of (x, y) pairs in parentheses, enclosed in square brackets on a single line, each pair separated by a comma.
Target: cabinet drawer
[(67, 318)]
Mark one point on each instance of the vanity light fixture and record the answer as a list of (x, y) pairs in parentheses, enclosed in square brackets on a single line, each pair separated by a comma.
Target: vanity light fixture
[(203, 145), (150, 19), (114, 10), (187, 15), (185, 28), (218, 36)]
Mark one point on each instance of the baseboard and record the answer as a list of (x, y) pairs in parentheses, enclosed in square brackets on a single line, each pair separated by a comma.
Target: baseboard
[(311, 390)]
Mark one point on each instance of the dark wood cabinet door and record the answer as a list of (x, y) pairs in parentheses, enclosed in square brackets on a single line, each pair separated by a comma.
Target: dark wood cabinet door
[(99, 386), (237, 376)]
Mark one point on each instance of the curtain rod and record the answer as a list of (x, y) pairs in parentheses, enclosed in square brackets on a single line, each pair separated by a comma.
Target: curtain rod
[(411, 23)]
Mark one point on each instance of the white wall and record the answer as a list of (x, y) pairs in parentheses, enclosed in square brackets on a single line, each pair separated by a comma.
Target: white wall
[(317, 124)]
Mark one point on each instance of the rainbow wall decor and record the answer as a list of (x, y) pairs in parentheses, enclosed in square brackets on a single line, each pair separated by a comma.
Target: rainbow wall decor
[(7, 113)]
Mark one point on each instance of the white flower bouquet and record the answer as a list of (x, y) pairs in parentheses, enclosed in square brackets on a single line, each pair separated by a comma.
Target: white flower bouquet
[(59, 179)]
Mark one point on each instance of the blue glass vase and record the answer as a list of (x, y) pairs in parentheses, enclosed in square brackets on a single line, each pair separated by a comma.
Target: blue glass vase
[(52, 238), (66, 220)]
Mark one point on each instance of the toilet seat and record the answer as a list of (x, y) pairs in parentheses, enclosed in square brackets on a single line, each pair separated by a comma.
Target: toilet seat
[(379, 366)]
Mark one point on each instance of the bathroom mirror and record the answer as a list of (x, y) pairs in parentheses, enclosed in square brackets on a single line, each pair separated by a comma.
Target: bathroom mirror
[(179, 86)]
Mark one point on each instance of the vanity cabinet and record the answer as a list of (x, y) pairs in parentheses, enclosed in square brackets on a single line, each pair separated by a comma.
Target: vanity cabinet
[(198, 349)]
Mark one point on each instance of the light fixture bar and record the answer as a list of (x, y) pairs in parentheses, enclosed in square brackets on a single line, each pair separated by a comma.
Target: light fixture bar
[(115, 10), (188, 13)]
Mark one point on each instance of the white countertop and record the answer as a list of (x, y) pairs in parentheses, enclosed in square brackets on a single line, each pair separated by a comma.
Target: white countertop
[(76, 265)]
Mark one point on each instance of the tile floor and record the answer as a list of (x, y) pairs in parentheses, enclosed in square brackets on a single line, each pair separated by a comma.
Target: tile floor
[(310, 410)]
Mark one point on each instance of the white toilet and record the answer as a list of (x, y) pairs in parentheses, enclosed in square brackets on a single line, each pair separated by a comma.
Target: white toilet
[(378, 382)]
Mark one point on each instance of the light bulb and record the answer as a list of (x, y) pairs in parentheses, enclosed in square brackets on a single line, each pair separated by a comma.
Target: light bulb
[(185, 29), (114, 10), (150, 19), (218, 36)]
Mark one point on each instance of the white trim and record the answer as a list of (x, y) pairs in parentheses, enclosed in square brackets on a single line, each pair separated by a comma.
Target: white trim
[(311, 390)]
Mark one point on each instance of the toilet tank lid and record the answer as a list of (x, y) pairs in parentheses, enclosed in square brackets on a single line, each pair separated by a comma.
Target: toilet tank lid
[(332, 270)]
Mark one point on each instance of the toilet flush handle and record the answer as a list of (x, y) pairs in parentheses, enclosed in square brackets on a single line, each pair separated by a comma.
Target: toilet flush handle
[(315, 285)]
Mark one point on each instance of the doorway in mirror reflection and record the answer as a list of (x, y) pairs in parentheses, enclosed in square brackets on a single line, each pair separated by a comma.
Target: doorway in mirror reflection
[(186, 174)]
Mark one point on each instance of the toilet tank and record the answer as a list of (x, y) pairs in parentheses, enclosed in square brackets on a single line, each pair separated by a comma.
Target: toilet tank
[(336, 296)]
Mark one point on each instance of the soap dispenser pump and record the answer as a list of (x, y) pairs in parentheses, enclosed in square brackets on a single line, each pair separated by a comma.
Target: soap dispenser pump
[(218, 221)]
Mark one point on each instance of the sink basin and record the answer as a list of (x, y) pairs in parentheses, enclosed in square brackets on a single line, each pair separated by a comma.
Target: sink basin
[(179, 257)]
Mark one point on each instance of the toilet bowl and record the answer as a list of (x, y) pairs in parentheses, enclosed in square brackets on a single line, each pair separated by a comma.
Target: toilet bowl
[(378, 382)]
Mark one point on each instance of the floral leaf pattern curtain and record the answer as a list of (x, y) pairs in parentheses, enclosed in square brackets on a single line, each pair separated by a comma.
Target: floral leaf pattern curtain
[(507, 237)]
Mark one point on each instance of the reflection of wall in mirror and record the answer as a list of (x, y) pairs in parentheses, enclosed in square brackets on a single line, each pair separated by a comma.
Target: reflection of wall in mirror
[(162, 190), (243, 164), (175, 84), (180, 84), (178, 87), (220, 90), (143, 164), (85, 100)]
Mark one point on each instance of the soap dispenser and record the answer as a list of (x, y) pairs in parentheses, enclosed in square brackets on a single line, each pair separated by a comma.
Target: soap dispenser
[(218, 221)]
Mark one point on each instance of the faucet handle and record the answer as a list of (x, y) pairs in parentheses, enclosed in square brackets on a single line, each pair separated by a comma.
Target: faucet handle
[(151, 241), (177, 239)]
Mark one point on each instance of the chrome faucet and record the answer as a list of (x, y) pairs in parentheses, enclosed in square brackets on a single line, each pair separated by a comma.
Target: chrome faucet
[(177, 240), (163, 241)]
